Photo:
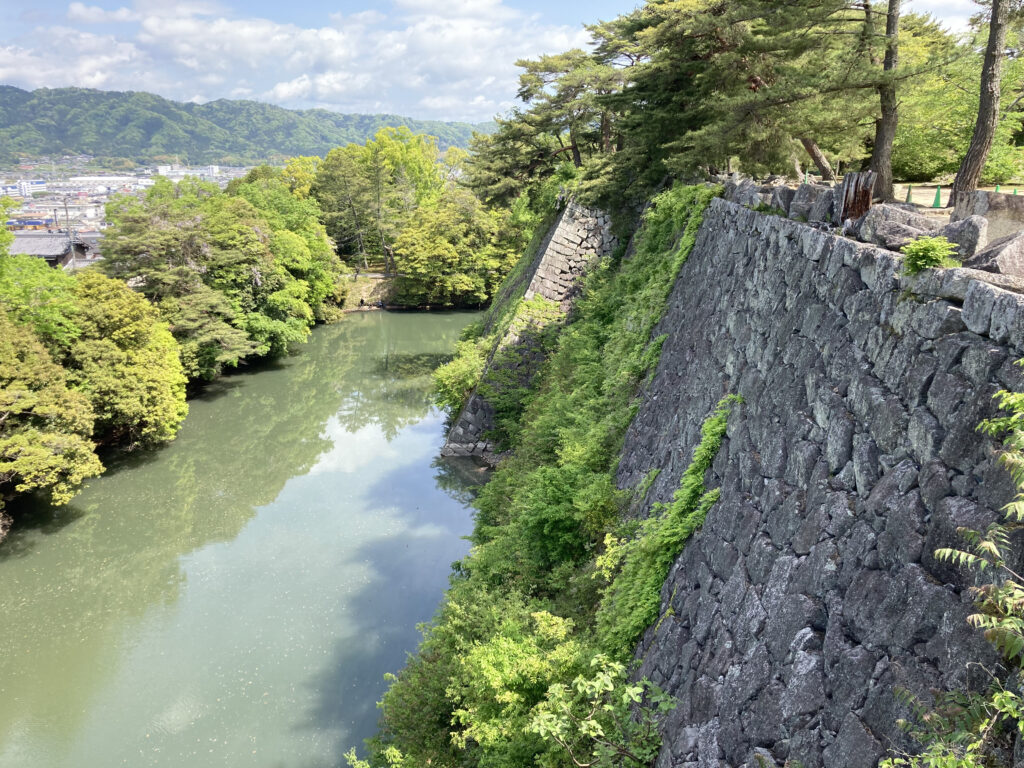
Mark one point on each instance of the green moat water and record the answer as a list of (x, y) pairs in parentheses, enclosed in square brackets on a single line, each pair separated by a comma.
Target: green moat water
[(235, 598)]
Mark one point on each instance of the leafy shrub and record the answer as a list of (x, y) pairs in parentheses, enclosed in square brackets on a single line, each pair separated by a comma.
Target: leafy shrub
[(928, 252), (604, 720), (455, 380)]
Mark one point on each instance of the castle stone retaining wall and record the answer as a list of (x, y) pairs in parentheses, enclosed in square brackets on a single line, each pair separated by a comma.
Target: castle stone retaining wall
[(578, 237), (811, 594)]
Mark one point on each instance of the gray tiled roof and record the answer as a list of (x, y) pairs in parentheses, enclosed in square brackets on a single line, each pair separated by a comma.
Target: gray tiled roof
[(39, 245)]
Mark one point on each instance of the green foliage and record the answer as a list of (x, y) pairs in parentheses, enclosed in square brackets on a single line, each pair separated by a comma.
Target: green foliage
[(45, 426), (126, 362), (927, 253), (971, 729), (508, 385), (111, 343), (298, 240), (455, 380), (452, 253), (40, 297), (235, 275), (502, 679), (631, 602), (394, 203), (510, 645), (937, 115), (147, 127), (604, 720)]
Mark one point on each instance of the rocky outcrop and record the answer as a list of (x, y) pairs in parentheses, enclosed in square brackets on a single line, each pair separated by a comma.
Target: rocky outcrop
[(811, 594), (578, 237)]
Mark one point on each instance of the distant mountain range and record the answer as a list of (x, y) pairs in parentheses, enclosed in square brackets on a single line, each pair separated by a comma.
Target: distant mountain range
[(145, 127)]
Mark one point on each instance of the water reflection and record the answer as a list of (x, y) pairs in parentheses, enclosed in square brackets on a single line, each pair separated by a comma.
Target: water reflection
[(243, 590)]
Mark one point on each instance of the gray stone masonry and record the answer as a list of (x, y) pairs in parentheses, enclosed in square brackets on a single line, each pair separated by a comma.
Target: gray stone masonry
[(811, 594), (579, 237), (1005, 213)]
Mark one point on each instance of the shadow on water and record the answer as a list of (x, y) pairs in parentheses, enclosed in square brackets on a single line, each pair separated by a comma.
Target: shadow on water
[(461, 477), (235, 378), (406, 365), (35, 516)]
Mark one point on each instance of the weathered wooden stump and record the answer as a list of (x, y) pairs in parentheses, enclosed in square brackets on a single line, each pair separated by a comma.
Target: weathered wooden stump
[(854, 198)]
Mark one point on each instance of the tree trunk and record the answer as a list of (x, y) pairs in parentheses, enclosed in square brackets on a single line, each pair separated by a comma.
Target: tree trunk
[(359, 232), (577, 158), (967, 177), (606, 133), (885, 128), (822, 163)]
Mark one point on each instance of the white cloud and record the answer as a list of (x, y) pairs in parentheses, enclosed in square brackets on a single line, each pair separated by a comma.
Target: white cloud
[(954, 14), (95, 61), (93, 14), (455, 61)]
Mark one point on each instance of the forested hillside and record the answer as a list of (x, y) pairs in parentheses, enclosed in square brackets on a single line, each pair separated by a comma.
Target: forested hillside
[(146, 127)]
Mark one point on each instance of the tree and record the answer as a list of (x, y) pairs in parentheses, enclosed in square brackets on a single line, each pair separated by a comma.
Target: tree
[(967, 177), (564, 92), (207, 260), (453, 253), (300, 173), (298, 240), (126, 362), (885, 127), (343, 192), (45, 427), (41, 297)]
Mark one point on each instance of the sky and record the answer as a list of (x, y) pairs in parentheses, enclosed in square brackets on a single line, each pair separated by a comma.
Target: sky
[(429, 59)]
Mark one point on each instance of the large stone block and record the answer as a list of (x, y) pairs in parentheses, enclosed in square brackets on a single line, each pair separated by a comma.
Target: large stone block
[(1004, 256), (892, 227), (969, 234), (805, 198), (1005, 213)]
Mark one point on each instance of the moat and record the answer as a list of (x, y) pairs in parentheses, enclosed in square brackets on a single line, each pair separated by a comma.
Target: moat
[(235, 598)]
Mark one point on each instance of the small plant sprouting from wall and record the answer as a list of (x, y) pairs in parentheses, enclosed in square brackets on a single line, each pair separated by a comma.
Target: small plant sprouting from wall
[(927, 253)]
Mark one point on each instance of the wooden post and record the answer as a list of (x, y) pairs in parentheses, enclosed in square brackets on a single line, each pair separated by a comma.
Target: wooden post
[(854, 198)]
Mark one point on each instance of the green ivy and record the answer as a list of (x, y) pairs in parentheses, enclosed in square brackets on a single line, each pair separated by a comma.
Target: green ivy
[(632, 600)]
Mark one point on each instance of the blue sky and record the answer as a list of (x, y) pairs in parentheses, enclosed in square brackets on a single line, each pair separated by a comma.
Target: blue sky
[(447, 59)]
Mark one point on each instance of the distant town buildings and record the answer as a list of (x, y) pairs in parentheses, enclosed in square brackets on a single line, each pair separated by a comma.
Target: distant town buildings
[(60, 213)]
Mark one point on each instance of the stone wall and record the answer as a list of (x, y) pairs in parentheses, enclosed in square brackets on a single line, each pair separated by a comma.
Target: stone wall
[(578, 237), (811, 593)]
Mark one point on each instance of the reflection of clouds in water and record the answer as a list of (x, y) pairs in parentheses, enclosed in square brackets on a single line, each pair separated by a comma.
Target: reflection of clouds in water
[(221, 553), (356, 451)]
